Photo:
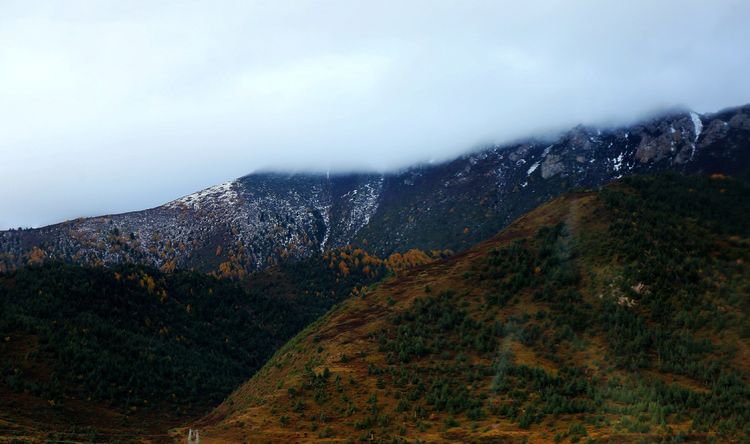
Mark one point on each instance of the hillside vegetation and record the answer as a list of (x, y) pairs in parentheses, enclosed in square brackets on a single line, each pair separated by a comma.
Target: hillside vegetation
[(612, 315), (99, 353)]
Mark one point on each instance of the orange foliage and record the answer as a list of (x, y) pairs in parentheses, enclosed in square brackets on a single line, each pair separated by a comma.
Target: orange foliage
[(411, 258), (169, 266), (231, 269), (225, 269), (36, 256), (148, 283), (343, 268)]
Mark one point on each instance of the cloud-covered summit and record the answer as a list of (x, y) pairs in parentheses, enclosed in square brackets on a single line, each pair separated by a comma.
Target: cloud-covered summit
[(106, 108)]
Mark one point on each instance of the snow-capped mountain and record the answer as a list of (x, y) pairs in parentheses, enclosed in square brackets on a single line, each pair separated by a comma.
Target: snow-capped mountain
[(262, 218)]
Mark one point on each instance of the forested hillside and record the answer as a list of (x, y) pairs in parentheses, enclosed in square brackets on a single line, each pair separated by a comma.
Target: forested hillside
[(612, 315), (105, 350)]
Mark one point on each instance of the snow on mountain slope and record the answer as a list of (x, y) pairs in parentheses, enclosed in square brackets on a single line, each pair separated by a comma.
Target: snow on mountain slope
[(215, 195), (259, 219)]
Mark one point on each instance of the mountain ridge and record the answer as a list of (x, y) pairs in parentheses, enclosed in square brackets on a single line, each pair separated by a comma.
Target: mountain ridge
[(263, 218)]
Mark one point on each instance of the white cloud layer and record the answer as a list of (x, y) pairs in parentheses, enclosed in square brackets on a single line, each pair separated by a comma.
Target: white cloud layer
[(116, 106)]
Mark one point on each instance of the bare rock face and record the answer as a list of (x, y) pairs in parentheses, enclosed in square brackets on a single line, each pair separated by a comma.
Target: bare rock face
[(552, 165), (740, 121), (579, 138), (716, 130), (650, 150), (519, 153), (672, 139), (684, 154)]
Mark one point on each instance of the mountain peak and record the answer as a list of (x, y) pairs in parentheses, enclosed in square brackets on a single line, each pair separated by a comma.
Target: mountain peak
[(265, 217)]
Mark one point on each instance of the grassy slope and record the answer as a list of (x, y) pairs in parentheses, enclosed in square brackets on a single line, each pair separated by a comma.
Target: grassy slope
[(612, 316)]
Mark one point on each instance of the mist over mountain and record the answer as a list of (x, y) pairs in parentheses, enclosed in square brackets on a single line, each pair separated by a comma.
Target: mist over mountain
[(375, 221), (262, 219), (107, 109)]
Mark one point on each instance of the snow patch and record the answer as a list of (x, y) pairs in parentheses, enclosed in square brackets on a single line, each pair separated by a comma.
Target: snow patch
[(364, 202), (532, 168), (224, 193), (617, 162), (697, 124)]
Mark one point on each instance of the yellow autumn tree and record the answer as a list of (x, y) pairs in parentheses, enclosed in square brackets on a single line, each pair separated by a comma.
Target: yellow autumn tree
[(397, 261), (169, 266), (148, 283), (343, 269), (36, 256)]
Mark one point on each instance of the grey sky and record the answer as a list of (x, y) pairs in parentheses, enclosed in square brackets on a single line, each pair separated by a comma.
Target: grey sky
[(114, 106)]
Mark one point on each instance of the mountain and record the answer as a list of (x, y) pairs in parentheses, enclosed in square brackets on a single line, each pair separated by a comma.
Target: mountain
[(617, 315), (126, 348), (264, 218), (95, 354)]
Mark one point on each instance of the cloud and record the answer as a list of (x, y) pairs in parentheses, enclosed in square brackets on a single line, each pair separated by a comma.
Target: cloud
[(113, 107)]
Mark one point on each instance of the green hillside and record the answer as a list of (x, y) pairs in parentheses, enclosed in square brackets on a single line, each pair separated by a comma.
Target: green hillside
[(115, 350), (618, 315)]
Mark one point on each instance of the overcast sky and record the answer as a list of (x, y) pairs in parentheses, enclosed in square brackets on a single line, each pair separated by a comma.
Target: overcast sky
[(114, 106)]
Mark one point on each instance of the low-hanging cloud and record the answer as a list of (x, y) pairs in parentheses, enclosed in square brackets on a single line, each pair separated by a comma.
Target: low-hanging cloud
[(108, 107)]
